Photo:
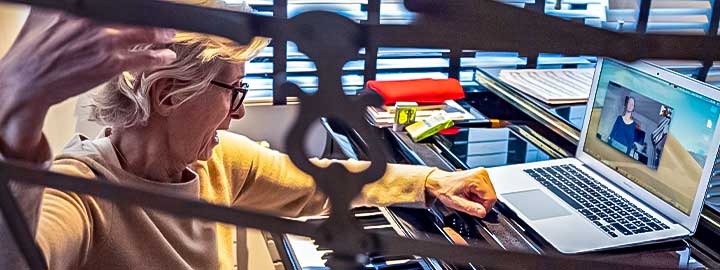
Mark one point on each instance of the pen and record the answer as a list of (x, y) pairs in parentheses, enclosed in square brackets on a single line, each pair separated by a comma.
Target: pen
[(488, 123)]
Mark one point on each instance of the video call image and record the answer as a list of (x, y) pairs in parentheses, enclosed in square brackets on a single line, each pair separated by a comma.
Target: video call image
[(634, 124), (663, 142)]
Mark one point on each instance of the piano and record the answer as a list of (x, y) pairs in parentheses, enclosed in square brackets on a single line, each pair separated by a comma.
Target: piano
[(435, 223), (468, 148)]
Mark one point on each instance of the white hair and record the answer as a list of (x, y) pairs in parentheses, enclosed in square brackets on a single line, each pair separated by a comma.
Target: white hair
[(126, 100)]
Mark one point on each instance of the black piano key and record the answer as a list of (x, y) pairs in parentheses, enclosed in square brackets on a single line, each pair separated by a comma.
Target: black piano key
[(326, 255), (373, 221), (385, 231), (409, 265), (361, 210)]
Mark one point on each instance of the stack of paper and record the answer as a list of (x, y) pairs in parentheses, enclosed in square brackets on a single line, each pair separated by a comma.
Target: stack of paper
[(552, 86), (385, 116)]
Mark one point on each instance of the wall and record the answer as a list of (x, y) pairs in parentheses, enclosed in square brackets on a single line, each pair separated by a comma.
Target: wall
[(271, 124)]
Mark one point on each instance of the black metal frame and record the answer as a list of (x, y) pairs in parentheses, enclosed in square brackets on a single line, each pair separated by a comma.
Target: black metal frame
[(712, 31), (643, 16), (331, 40), (279, 55)]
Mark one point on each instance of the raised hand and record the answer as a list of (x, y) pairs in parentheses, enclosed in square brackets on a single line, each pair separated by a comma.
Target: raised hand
[(57, 56)]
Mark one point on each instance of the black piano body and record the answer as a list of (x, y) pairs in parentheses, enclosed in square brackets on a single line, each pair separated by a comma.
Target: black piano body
[(452, 152)]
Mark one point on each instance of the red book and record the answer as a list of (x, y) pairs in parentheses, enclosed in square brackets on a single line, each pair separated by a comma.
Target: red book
[(424, 91)]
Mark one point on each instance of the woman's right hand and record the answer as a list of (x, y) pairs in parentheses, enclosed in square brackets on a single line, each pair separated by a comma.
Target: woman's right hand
[(57, 56)]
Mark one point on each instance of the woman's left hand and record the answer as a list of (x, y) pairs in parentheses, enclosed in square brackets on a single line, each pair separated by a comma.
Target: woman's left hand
[(468, 191)]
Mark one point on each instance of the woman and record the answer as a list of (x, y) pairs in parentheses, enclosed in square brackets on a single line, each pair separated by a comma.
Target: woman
[(623, 130), (168, 114)]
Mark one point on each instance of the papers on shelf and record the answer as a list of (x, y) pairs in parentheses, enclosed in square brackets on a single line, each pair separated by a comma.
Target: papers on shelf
[(384, 117), (552, 86)]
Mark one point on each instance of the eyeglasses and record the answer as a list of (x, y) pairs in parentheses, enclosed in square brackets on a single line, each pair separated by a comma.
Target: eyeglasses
[(239, 90)]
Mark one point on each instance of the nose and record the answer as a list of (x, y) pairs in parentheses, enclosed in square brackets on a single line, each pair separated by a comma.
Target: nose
[(239, 113)]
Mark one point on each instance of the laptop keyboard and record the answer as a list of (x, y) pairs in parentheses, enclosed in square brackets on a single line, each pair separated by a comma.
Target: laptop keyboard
[(613, 214)]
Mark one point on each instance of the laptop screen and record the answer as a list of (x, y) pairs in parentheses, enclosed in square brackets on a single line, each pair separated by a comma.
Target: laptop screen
[(653, 132)]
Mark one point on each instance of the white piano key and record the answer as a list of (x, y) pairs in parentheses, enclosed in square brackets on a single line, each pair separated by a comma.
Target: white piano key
[(306, 252), (385, 226)]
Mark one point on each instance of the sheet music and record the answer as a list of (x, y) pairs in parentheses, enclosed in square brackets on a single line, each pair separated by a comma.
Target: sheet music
[(553, 86)]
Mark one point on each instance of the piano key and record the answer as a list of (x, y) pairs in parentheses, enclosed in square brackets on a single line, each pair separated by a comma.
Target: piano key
[(305, 251), (361, 210), (399, 265), (312, 256), (326, 254), (378, 227), (374, 221), (369, 214)]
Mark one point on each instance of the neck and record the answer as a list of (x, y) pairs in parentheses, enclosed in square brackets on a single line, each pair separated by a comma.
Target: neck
[(627, 114), (147, 153)]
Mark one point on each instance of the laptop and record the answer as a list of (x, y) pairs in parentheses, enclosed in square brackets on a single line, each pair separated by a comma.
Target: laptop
[(645, 156)]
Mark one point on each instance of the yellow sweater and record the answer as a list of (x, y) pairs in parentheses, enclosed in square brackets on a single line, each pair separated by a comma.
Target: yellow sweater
[(81, 232)]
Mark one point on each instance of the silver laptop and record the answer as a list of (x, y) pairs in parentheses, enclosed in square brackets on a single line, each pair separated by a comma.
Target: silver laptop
[(647, 148)]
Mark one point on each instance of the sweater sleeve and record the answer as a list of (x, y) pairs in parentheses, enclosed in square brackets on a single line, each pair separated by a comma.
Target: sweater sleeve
[(59, 220), (29, 199), (269, 181), (65, 226)]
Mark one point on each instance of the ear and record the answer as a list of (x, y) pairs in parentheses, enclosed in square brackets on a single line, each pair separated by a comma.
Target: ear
[(161, 89)]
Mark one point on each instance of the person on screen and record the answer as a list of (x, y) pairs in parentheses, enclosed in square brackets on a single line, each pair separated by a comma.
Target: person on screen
[(659, 135), (623, 131)]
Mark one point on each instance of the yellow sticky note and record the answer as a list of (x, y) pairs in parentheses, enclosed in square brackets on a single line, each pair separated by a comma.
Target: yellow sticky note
[(405, 112)]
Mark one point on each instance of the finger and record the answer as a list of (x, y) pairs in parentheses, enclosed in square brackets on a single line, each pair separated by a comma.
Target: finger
[(139, 60), (487, 201), (482, 194), (126, 37), (464, 205)]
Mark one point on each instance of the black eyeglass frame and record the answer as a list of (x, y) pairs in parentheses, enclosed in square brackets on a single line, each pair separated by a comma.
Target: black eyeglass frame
[(237, 88)]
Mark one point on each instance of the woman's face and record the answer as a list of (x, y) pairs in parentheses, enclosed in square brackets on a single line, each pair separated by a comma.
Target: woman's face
[(195, 123), (630, 105)]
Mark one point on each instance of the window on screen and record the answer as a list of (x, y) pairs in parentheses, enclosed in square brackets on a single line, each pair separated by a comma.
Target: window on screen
[(634, 124)]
